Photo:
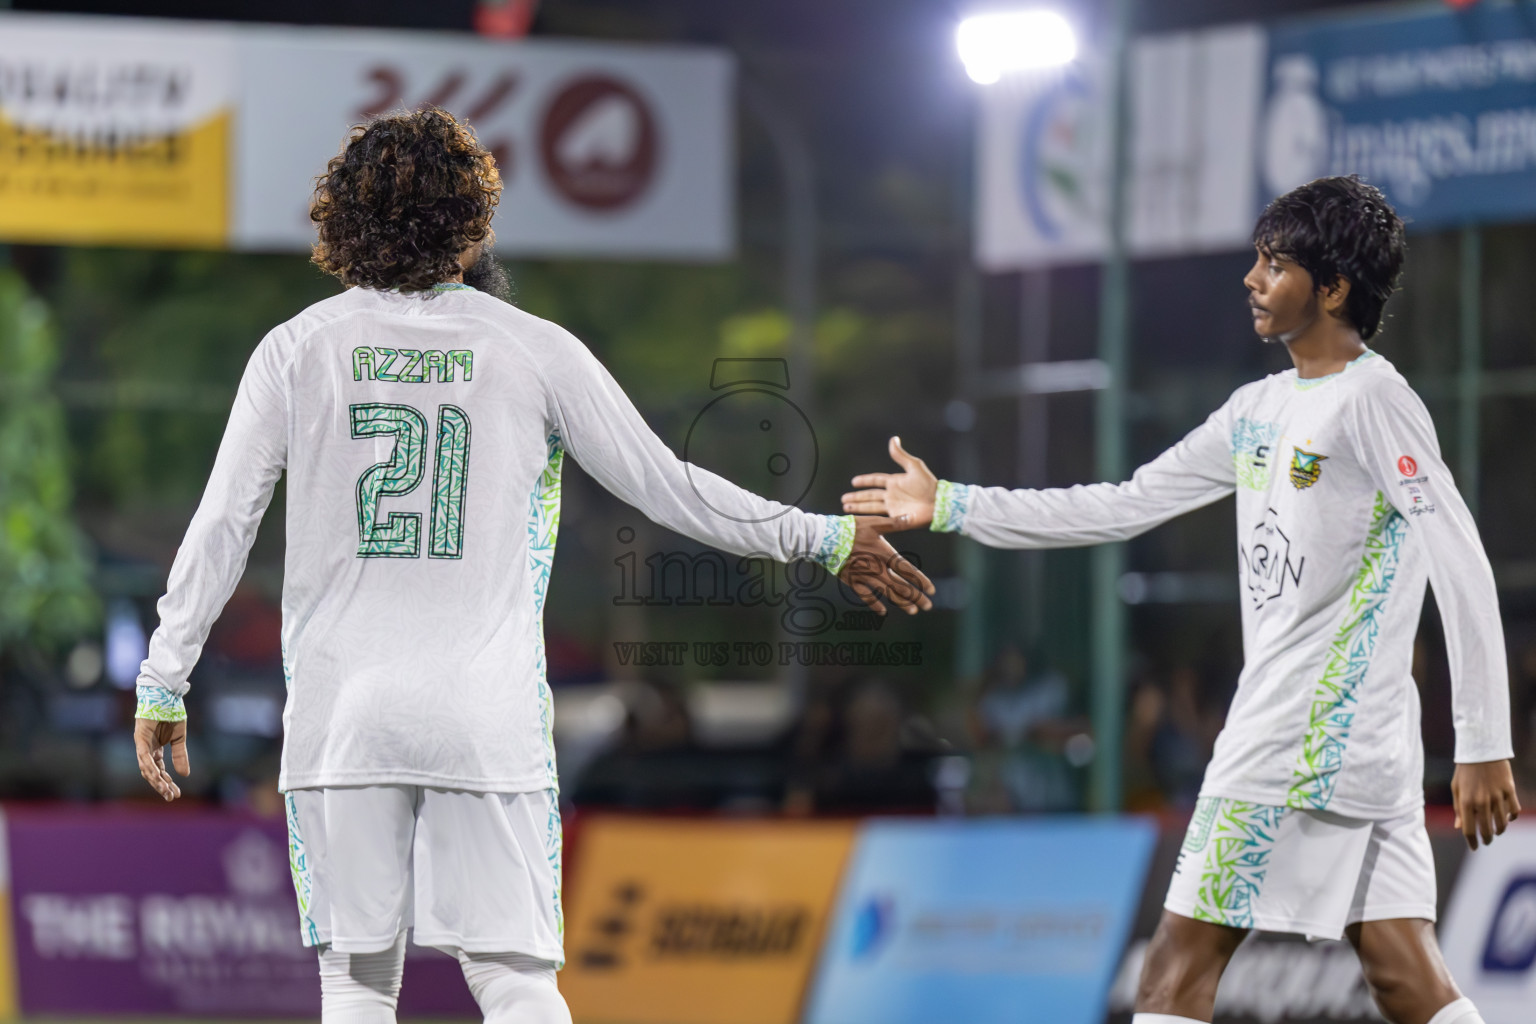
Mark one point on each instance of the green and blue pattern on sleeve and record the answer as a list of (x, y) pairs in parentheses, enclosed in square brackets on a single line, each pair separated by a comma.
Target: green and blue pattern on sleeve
[(950, 505), (836, 543), (158, 704)]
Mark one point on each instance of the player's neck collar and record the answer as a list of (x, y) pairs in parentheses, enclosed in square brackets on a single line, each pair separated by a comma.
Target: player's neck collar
[(1304, 383)]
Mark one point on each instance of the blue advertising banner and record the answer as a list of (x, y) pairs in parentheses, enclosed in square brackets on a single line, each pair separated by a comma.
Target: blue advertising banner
[(982, 921), (1438, 109), (1489, 931)]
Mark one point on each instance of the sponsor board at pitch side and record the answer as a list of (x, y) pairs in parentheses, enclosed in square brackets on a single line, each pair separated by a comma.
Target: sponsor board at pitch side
[(8, 1006), (1489, 931), (981, 921), (183, 915), (206, 135), (698, 922)]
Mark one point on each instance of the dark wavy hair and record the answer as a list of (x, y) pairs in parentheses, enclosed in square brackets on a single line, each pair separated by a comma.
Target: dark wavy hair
[(405, 196), (1339, 227)]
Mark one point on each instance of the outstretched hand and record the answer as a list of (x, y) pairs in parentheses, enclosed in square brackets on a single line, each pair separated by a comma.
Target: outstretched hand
[(150, 738), (907, 497), (1485, 800), (874, 570)]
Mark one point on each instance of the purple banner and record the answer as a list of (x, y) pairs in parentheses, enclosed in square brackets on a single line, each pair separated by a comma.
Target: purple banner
[(119, 911)]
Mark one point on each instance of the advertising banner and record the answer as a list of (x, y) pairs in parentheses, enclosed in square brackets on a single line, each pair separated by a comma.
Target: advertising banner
[(604, 148), (1273, 979), (174, 914), (1042, 169), (1489, 931), (1438, 109), (1043, 153), (117, 135), (1192, 119), (136, 132), (8, 1005), (710, 922), (984, 921)]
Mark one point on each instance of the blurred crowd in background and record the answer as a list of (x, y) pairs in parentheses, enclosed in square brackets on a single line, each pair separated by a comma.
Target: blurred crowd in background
[(1015, 739)]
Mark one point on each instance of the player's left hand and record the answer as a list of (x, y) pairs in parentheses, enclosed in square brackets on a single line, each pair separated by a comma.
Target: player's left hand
[(150, 739), (1485, 800), (875, 569)]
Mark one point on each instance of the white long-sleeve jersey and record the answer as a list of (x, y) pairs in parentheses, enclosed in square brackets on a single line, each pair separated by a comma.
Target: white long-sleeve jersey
[(422, 435), (1344, 510)]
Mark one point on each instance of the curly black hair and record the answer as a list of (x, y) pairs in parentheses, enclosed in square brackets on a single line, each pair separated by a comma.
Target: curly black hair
[(1339, 227), (405, 196)]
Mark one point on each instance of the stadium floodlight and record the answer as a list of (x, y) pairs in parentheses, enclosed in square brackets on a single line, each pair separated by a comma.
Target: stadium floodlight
[(992, 44)]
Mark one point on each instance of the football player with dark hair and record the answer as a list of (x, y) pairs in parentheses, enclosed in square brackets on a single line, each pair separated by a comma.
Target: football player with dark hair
[(1311, 815)]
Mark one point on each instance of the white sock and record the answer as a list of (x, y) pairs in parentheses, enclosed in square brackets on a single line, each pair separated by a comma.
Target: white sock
[(1168, 1018), (361, 988), (512, 988), (1460, 1012)]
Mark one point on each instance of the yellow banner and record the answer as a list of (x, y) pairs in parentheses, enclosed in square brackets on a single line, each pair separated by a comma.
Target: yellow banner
[(698, 922), (116, 132), (169, 188)]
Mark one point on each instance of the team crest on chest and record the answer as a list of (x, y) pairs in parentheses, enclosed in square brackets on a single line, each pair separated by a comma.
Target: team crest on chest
[(1306, 467)]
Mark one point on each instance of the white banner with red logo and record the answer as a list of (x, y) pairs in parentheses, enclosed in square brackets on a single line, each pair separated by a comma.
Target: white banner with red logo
[(606, 149)]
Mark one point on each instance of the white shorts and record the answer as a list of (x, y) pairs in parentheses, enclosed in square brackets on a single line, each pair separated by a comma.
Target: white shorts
[(478, 872), (1280, 869)]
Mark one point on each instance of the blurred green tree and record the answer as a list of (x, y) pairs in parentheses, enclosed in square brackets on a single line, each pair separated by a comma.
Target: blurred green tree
[(45, 564)]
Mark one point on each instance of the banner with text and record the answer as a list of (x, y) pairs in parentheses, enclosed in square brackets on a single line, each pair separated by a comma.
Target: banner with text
[(982, 921), (139, 132), (1489, 932), (174, 914), (1438, 109), (705, 922), (116, 132)]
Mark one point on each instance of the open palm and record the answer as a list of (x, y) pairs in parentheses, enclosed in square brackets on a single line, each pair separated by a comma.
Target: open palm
[(907, 497)]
